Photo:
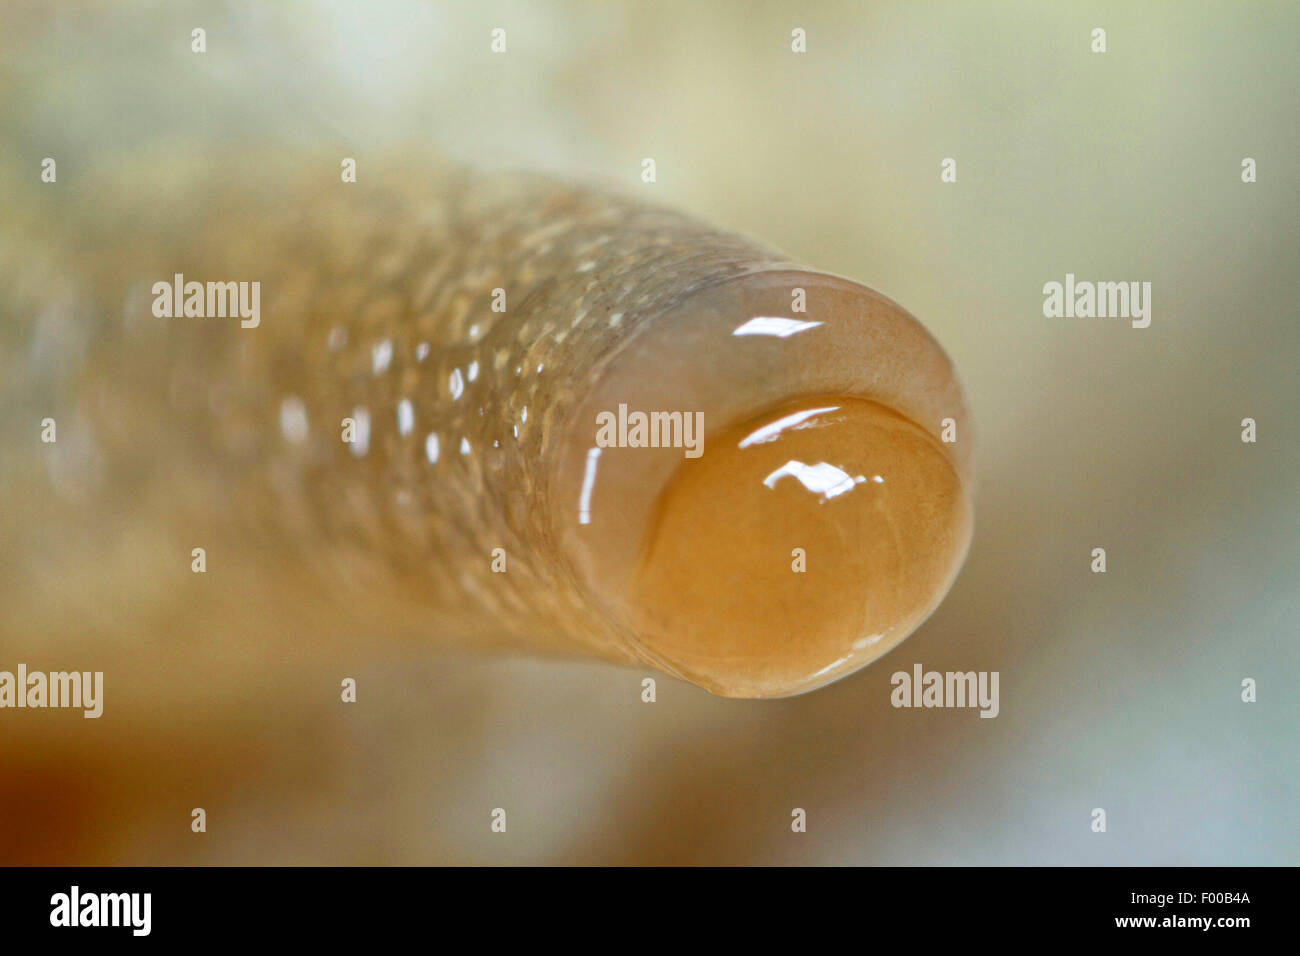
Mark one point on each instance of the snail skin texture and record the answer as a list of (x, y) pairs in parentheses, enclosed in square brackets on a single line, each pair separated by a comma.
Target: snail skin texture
[(475, 331)]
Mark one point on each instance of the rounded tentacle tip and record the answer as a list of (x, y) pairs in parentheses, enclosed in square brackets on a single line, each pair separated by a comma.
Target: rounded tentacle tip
[(771, 498), (817, 536)]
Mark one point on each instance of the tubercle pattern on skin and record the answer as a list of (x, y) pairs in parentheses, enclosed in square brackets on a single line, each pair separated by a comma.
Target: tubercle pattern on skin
[(374, 294)]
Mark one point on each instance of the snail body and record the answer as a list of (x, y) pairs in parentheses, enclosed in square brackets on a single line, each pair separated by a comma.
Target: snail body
[(395, 413)]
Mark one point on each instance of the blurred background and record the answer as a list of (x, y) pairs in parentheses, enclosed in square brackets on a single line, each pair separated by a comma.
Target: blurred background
[(1120, 691)]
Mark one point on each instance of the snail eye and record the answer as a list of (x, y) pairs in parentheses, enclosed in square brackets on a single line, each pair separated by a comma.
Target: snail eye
[(820, 509), (807, 541)]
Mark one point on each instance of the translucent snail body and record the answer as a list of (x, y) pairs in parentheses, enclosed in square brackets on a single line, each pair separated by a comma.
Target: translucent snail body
[(408, 434)]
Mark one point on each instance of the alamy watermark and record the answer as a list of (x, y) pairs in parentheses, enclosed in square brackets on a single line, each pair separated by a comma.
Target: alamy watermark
[(950, 689), (1098, 300), (624, 429), (75, 908), (211, 300), (74, 689)]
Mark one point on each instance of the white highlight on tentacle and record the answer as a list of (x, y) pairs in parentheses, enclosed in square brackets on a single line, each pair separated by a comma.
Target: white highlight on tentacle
[(293, 420), (821, 478), (588, 482), (381, 355), (773, 325), (361, 437), (769, 432)]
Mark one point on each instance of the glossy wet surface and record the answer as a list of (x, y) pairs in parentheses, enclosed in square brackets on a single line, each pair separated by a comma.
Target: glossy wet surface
[(806, 541)]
